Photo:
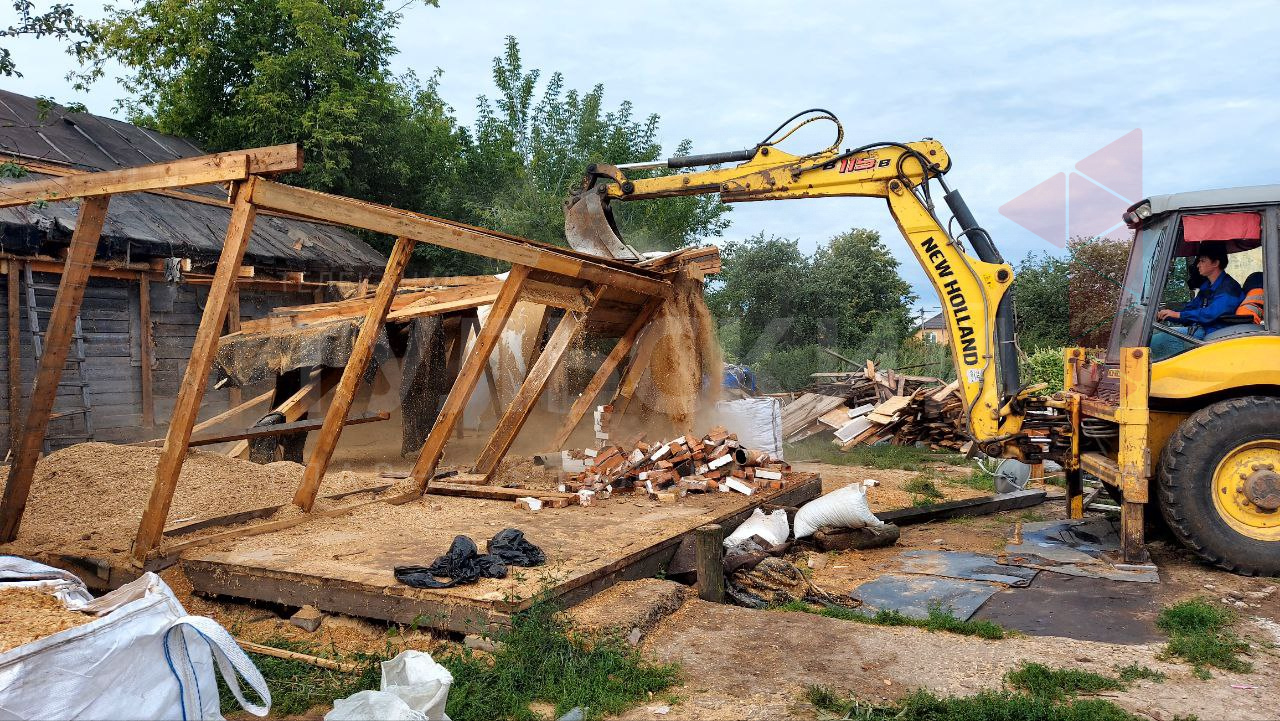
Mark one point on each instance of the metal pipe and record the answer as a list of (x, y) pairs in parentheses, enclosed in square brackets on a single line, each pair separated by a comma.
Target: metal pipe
[(1006, 343)]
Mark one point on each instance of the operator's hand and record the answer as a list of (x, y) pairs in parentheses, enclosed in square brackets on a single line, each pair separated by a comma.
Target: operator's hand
[(1166, 314)]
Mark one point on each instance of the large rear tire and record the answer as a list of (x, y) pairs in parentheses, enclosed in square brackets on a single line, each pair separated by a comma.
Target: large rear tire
[(1219, 484)]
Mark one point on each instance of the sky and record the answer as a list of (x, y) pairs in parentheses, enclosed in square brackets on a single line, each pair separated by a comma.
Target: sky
[(1016, 91)]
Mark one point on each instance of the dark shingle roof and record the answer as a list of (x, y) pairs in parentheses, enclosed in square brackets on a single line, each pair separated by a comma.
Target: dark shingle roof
[(143, 225), (934, 323)]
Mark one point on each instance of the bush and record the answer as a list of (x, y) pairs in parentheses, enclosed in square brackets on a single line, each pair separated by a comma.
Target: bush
[(1044, 365)]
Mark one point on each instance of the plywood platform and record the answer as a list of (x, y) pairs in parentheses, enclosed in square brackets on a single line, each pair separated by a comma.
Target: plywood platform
[(344, 564)]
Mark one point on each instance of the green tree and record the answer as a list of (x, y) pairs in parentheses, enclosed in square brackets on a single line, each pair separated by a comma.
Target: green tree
[(60, 21), (761, 289), (855, 289), (230, 74), (1040, 292), (528, 150), (1095, 277)]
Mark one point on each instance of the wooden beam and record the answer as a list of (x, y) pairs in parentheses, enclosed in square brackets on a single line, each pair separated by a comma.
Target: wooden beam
[(281, 429), (57, 343), (494, 493), (233, 326), (174, 174), (635, 371), (602, 375), (292, 408), (14, 330), (191, 392), (218, 419), (449, 234), (468, 376), (418, 310), (147, 352), (357, 362), (262, 161), (566, 332)]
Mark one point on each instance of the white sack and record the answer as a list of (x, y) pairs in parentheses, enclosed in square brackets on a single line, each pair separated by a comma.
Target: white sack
[(143, 657), (772, 527), (414, 688), (756, 421), (843, 508)]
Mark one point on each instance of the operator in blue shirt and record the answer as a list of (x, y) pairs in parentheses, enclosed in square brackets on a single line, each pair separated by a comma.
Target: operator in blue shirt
[(1218, 295)]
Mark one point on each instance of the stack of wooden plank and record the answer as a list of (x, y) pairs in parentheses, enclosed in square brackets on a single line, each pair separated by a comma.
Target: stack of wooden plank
[(870, 405), (669, 470)]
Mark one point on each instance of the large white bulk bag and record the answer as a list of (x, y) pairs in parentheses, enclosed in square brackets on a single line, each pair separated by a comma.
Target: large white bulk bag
[(143, 657), (756, 421)]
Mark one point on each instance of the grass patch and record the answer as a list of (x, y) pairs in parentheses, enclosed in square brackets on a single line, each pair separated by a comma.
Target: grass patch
[(904, 458), (978, 479), (923, 487), (541, 661), (1134, 672), (297, 687), (1199, 634), (985, 706), (1058, 683), (538, 661), (939, 620)]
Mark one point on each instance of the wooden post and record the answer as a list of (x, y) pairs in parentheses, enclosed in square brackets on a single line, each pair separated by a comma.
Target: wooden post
[(57, 343), (709, 561), (191, 392), (147, 352), (361, 352), (610, 364), (569, 328), (233, 326), (15, 358), (468, 376)]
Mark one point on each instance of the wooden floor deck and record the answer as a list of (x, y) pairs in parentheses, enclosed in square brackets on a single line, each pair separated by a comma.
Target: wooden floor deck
[(344, 564)]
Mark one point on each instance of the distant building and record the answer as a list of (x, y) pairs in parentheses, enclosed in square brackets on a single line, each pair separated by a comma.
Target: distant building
[(934, 329), (166, 242)]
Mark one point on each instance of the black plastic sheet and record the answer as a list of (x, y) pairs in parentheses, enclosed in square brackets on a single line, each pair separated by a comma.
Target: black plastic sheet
[(463, 563)]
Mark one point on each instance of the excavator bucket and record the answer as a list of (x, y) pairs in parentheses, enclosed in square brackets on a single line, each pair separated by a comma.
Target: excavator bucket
[(589, 227)]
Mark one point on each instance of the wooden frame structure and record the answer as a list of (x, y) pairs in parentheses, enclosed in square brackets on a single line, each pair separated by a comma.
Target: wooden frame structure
[(586, 287)]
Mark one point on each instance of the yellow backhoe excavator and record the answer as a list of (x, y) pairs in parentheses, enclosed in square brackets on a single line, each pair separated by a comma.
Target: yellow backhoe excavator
[(1198, 431)]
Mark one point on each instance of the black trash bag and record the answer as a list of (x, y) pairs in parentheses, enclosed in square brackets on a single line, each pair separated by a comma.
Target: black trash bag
[(464, 564), (461, 564), (510, 546)]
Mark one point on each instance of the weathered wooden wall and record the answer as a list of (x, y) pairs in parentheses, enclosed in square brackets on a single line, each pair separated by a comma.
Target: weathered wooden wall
[(110, 317)]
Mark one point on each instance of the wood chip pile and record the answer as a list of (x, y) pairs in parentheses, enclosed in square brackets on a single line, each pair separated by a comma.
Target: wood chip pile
[(669, 470), (871, 406)]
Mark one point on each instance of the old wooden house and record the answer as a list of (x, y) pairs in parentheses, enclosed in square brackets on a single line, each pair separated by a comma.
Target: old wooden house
[(148, 283)]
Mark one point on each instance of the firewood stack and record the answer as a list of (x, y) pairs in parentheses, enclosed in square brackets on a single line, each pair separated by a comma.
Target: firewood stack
[(669, 470), (870, 406)]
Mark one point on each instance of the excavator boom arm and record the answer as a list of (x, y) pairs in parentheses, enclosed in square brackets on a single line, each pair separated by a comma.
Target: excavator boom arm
[(972, 290)]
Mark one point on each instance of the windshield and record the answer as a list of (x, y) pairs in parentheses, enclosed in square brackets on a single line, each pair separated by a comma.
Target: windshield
[(1139, 289)]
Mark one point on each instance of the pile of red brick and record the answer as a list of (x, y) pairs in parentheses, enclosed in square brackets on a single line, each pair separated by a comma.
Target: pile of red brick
[(669, 470)]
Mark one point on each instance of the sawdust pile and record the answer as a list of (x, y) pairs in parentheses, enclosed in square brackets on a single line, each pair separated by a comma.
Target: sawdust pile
[(88, 498), (685, 373), (28, 614)]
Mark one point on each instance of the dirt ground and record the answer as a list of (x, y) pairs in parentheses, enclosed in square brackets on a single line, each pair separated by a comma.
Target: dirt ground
[(746, 664), (740, 663)]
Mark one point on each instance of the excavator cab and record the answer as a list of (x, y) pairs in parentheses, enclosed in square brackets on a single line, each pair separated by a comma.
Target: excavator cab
[(1186, 418)]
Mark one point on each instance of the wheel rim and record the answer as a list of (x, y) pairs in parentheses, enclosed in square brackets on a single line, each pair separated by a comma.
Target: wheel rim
[(1242, 489)]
